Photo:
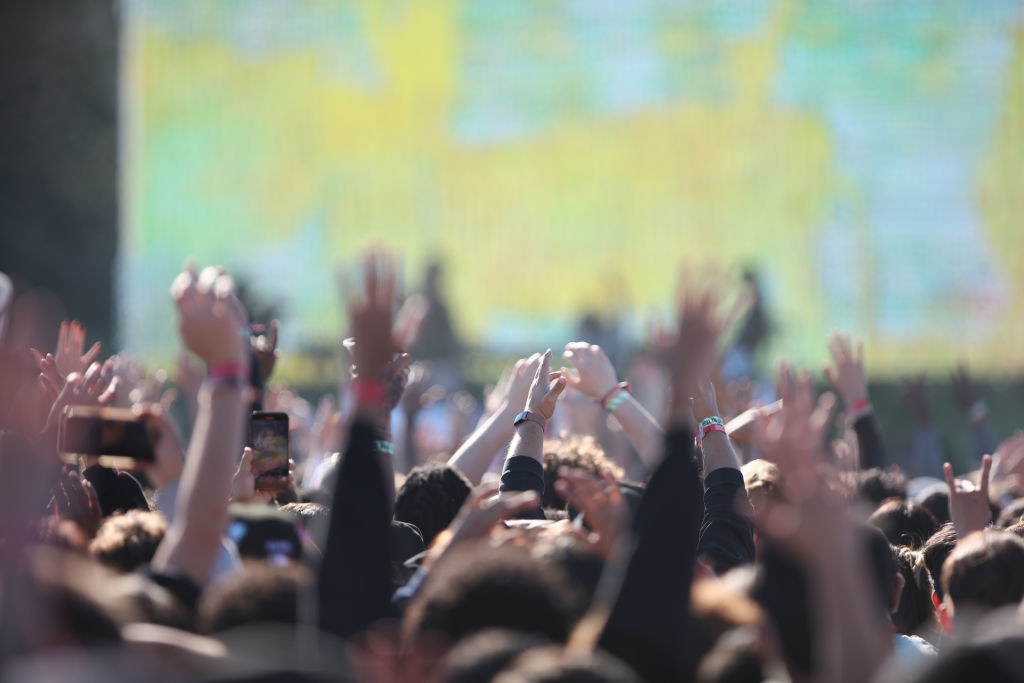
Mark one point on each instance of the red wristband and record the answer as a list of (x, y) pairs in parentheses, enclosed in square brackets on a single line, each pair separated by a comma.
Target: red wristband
[(860, 406), (621, 386), (369, 391), (228, 370)]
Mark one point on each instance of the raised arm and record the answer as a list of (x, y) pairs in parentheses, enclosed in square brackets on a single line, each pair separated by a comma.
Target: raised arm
[(354, 587), (847, 377), (476, 453), (727, 530), (212, 325), (595, 376)]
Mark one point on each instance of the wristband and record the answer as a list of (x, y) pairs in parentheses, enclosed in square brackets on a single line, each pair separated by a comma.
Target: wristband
[(231, 381), (613, 393), (862, 406), (230, 369), (369, 391), (713, 427), (712, 420), (617, 400), (529, 416), (382, 446)]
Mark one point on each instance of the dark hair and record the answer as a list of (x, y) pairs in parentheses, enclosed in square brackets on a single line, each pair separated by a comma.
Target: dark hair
[(915, 612), (259, 593), (479, 587), (985, 569), (904, 523), (877, 485), (314, 517), (935, 551), (1011, 514), (881, 557), (482, 656), (935, 499), (581, 452), (128, 540), (431, 497)]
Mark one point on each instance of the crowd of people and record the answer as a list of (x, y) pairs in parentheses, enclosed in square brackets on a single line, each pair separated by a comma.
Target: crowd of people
[(579, 523)]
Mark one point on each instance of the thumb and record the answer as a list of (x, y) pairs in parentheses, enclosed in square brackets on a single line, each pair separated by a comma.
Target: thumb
[(246, 462)]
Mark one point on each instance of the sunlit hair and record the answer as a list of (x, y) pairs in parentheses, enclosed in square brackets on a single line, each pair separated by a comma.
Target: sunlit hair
[(575, 451)]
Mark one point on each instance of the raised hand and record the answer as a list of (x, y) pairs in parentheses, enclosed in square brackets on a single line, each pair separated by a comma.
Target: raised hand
[(968, 504), (484, 509), (75, 499), (264, 350), (915, 395), (211, 319), (594, 374), (1008, 459), (688, 352), (547, 386), (370, 316), (511, 390), (705, 400), (71, 356), (846, 374), (962, 387), (602, 506), (243, 486), (98, 387)]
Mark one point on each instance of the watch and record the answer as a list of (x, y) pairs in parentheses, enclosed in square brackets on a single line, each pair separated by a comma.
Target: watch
[(527, 415)]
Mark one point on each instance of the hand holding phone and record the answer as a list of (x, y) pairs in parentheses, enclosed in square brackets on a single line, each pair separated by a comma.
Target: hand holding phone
[(268, 436), (118, 437)]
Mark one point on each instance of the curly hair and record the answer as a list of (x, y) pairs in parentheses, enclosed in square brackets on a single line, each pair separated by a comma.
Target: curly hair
[(128, 540), (431, 497), (580, 452)]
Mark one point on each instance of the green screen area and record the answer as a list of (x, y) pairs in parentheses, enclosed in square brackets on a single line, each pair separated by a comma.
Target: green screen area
[(563, 156)]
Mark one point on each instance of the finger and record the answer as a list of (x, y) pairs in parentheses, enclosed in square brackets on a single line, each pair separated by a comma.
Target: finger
[(614, 492), (245, 464), (858, 356), (92, 377), (510, 506), (91, 354), (545, 364), (484, 491), (986, 467), (108, 396), (557, 387), (62, 335), (272, 335), (36, 355), (947, 472), (832, 376)]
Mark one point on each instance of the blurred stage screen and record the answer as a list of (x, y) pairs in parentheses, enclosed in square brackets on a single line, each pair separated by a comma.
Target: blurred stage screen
[(866, 157)]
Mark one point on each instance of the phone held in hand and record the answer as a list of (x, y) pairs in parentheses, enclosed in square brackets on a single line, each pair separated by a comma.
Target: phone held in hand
[(118, 437), (268, 437)]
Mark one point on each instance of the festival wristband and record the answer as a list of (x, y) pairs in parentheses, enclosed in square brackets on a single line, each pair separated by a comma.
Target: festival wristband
[(230, 369), (616, 401), (368, 391), (707, 430), (862, 406), (613, 393), (382, 446), (712, 420)]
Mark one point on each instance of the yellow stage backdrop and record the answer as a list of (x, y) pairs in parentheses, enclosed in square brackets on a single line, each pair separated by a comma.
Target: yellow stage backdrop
[(867, 157)]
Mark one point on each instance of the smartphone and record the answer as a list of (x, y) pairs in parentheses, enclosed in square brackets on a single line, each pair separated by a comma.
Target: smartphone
[(268, 437), (117, 436)]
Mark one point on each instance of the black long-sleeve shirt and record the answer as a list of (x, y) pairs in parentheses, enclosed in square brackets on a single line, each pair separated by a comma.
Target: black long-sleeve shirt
[(650, 626), (869, 442), (354, 588), (726, 533)]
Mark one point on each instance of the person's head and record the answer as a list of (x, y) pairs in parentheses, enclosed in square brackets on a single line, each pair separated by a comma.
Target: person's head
[(431, 497), (903, 523), (259, 593), (314, 518), (915, 612), (985, 570), (579, 452), (935, 551), (553, 665), (479, 587), (876, 485), (482, 656), (126, 541), (1011, 514), (935, 499), (885, 575), (719, 608)]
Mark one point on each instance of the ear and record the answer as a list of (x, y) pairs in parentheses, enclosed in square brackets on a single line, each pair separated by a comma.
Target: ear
[(897, 591), (942, 613)]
